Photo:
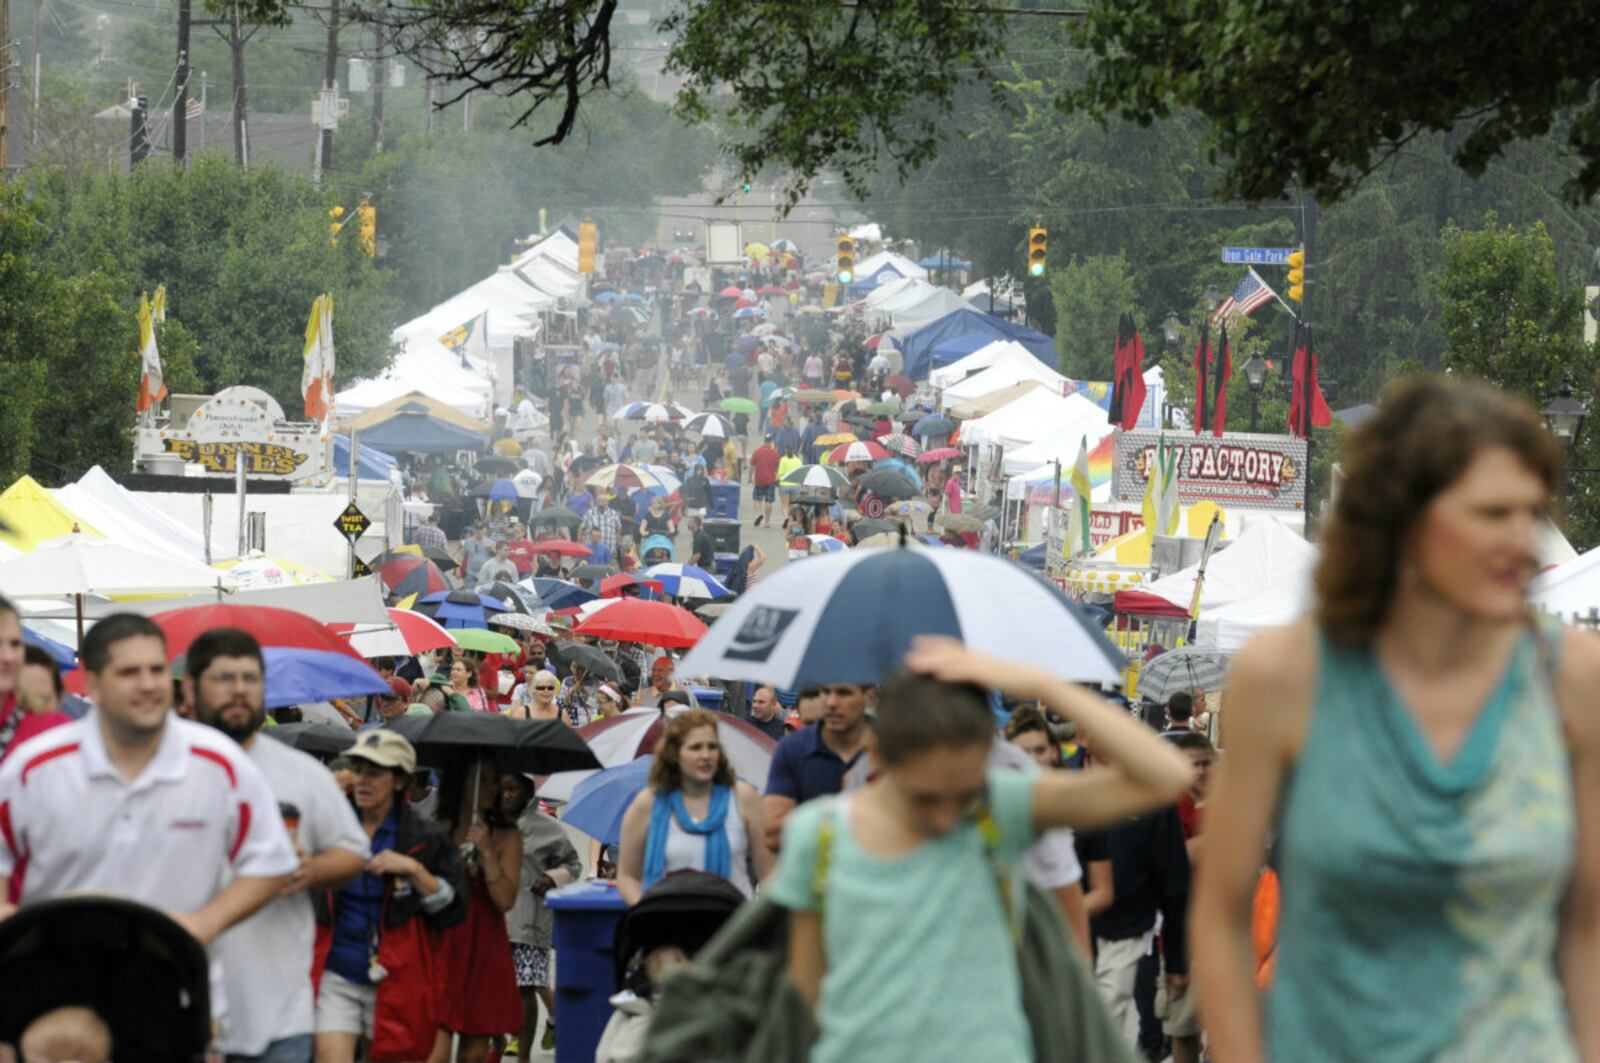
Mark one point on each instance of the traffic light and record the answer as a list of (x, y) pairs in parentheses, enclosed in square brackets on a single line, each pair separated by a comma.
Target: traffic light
[(1038, 250), (337, 214), (586, 247), (847, 259), (745, 187), (1297, 276), (367, 221)]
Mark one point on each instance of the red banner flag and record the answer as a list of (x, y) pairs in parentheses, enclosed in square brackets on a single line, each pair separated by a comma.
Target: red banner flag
[(1307, 407), (1220, 374)]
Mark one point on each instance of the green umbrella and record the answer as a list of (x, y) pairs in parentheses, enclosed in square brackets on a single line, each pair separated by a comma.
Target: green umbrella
[(555, 515), (482, 640), (734, 404), (817, 476), (881, 409)]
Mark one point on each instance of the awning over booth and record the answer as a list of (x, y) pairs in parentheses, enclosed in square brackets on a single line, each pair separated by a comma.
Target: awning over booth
[(412, 428)]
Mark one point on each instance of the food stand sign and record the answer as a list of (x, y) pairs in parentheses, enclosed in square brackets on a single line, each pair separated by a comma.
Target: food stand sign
[(1239, 470), (351, 522)]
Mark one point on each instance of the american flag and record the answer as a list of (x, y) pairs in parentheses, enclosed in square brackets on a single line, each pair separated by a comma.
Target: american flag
[(194, 109), (1252, 294)]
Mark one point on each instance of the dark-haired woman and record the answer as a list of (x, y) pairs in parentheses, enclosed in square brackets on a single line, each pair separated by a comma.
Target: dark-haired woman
[(481, 1000), (914, 958), (694, 814), (1428, 754)]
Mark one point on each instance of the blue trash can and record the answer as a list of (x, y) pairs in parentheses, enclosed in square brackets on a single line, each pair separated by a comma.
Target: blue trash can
[(586, 917), (724, 501), (708, 697)]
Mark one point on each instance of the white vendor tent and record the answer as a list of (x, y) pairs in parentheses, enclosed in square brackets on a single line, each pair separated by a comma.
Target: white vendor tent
[(424, 365), (1570, 590), (996, 353), (1062, 444), (898, 265), (1266, 558), (912, 300), (126, 518), (1034, 416), (1002, 374)]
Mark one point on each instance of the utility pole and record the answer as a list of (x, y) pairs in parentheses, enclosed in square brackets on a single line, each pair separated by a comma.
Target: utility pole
[(330, 89), (5, 86), (1308, 243), (33, 121), (381, 74), (241, 100), (180, 102), (427, 95)]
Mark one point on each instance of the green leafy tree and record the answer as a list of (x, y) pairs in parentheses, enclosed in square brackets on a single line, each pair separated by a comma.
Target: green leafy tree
[(1090, 295)]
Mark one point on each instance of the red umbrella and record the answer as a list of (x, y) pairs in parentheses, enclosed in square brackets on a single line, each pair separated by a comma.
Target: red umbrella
[(636, 620), (411, 575), (563, 547), (305, 660), (770, 289), (874, 341), (902, 385), (611, 586), (938, 454), (860, 450), (744, 304), (421, 633), (731, 292)]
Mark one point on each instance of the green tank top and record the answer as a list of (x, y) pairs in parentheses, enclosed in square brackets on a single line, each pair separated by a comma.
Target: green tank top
[(1419, 899)]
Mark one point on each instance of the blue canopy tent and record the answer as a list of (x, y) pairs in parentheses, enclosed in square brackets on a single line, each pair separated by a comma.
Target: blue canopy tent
[(945, 260), (371, 463), (864, 285), (968, 325), (412, 429), (958, 348)]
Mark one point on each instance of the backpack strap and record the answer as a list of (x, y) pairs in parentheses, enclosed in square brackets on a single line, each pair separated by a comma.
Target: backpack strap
[(989, 830), (827, 824)]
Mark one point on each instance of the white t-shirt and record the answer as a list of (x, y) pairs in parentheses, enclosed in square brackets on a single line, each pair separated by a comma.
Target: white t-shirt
[(200, 814), (266, 960), (1052, 862)]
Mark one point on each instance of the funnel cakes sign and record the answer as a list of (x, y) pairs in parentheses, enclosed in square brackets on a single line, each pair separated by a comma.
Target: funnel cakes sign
[(1241, 470)]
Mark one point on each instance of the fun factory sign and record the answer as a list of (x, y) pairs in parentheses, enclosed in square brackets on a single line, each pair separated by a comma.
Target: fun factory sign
[(1239, 470)]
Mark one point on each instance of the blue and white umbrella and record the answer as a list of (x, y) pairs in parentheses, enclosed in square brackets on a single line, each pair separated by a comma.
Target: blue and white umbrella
[(749, 311), (709, 424), (850, 617), (652, 411), (557, 593), (686, 581), (600, 801)]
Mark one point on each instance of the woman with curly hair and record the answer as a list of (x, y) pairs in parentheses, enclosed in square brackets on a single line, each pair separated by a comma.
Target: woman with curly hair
[(1429, 756), (694, 814)]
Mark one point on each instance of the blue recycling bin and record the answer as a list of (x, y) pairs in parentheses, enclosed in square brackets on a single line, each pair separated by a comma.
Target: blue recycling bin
[(724, 501), (586, 917), (708, 697)]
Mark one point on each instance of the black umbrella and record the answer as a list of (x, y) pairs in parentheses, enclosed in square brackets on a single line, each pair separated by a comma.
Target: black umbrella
[(869, 526), (536, 746), (519, 599), (590, 658), (497, 465), (932, 425), (814, 499), (590, 570), (911, 416), (323, 740), (887, 483), (555, 515), (440, 558)]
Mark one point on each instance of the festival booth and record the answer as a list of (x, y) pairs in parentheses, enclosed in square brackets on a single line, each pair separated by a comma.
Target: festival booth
[(418, 423), (1011, 371), (991, 401), (208, 432), (129, 519), (991, 353), (884, 267), (1241, 472), (910, 301), (30, 514), (918, 344), (422, 364)]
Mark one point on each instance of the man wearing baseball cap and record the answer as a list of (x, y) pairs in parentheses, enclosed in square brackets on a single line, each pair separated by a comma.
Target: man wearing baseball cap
[(374, 935), (393, 704)]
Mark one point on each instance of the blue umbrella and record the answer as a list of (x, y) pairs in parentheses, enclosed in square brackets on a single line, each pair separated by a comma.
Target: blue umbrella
[(904, 468), (600, 801), (746, 344), (607, 297), (503, 491), (849, 617), (558, 593), (748, 311), (634, 297), (460, 608), (933, 425), (60, 652), (686, 581)]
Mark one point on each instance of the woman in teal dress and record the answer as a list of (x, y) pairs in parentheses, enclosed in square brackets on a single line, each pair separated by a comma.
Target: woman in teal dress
[(1426, 755)]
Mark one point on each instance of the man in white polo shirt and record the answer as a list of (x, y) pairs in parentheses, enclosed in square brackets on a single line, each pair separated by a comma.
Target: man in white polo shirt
[(132, 800), (266, 960)]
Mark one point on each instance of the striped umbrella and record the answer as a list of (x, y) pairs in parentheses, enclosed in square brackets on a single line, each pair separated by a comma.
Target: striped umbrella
[(860, 450), (686, 581), (1184, 669), (652, 411), (850, 617), (816, 477), (899, 443), (623, 478), (709, 424)]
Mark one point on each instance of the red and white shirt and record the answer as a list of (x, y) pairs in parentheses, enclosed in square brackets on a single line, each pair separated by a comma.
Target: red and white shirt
[(199, 814)]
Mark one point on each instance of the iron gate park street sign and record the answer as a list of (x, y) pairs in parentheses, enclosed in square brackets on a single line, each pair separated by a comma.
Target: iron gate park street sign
[(1257, 256)]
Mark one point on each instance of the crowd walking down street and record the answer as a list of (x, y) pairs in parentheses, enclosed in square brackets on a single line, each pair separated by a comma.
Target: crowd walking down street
[(719, 713)]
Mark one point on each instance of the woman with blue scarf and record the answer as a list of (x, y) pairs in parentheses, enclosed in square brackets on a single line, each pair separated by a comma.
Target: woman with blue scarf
[(694, 814)]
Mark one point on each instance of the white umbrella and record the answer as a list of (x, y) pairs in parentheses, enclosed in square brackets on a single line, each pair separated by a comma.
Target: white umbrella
[(631, 734), (75, 565)]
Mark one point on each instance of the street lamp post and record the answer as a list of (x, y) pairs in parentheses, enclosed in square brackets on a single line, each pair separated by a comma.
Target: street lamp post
[(1565, 415), (1172, 330), (1255, 375)]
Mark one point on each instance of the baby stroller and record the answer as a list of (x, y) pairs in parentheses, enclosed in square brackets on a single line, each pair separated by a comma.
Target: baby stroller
[(656, 550), (131, 965)]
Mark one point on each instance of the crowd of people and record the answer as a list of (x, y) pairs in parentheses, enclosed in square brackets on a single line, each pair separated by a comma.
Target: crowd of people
[(1392, 861)]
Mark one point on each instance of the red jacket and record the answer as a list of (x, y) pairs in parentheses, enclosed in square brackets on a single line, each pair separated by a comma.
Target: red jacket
[(406, 1015)]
